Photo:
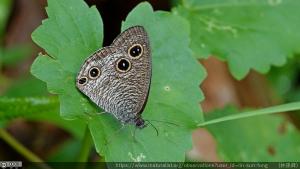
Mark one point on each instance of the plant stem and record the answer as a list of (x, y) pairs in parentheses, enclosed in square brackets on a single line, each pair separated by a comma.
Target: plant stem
[(85, 147), (274, 109), (9, 139)]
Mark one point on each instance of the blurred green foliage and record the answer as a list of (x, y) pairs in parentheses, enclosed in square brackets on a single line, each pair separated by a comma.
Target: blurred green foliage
[(12, 56), (265, 138), (26, 86), (248, 34), (285, 80), (5, 6), (38, 109)]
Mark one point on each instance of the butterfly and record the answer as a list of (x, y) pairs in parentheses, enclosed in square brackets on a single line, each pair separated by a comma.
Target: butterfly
[(117, 78)]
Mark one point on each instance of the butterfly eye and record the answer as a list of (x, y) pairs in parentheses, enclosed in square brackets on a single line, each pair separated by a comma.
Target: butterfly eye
[(135, 51), (123, 65), (94, 72), (82, 80)]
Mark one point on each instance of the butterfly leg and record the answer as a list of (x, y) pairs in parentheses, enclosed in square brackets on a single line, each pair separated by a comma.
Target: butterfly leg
[(92, 114), (99, 113), (133, 134)]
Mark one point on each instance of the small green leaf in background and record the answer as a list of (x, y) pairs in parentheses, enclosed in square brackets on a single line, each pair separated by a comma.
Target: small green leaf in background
[(73, 31), (284, 80), (26, 86), (10, 108), (261, 139), (5, 6), (248, 34), (11, 56), (38, 109)]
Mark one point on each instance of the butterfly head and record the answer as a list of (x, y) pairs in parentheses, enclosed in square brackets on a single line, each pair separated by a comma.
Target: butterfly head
[(140, 123)]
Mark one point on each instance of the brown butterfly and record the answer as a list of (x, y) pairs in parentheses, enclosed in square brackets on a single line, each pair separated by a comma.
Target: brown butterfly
[(117, 77)]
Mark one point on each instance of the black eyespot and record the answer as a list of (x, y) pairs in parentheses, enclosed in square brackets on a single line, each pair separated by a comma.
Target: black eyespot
[(136, 51), (82, 80), (94, 72), (123, 65)]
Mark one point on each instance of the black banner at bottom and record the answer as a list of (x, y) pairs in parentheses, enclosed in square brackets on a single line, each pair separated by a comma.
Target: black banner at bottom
[(163, 165)]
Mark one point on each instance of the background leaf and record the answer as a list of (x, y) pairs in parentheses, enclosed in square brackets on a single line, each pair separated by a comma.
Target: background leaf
[(11, 56), (285, 80), (38, 109), (248, 34), (26, 86), (5, 6), (260, 139)]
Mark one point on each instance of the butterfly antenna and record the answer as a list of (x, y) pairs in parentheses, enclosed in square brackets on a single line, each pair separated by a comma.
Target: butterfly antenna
[(152, 126), (161, 121)]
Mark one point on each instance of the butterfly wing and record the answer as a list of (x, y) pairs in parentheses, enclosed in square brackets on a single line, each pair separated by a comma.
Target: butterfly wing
[(122, 86)]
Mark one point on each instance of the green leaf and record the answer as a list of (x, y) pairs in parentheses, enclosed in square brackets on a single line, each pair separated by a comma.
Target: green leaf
[(26, 86), (248, 34), (269, 110), (66, 153), (11, 108), (260, 139), (284, 80), (5, 6), (72, 32), (38, 109), (174, 95), (11, 56)]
